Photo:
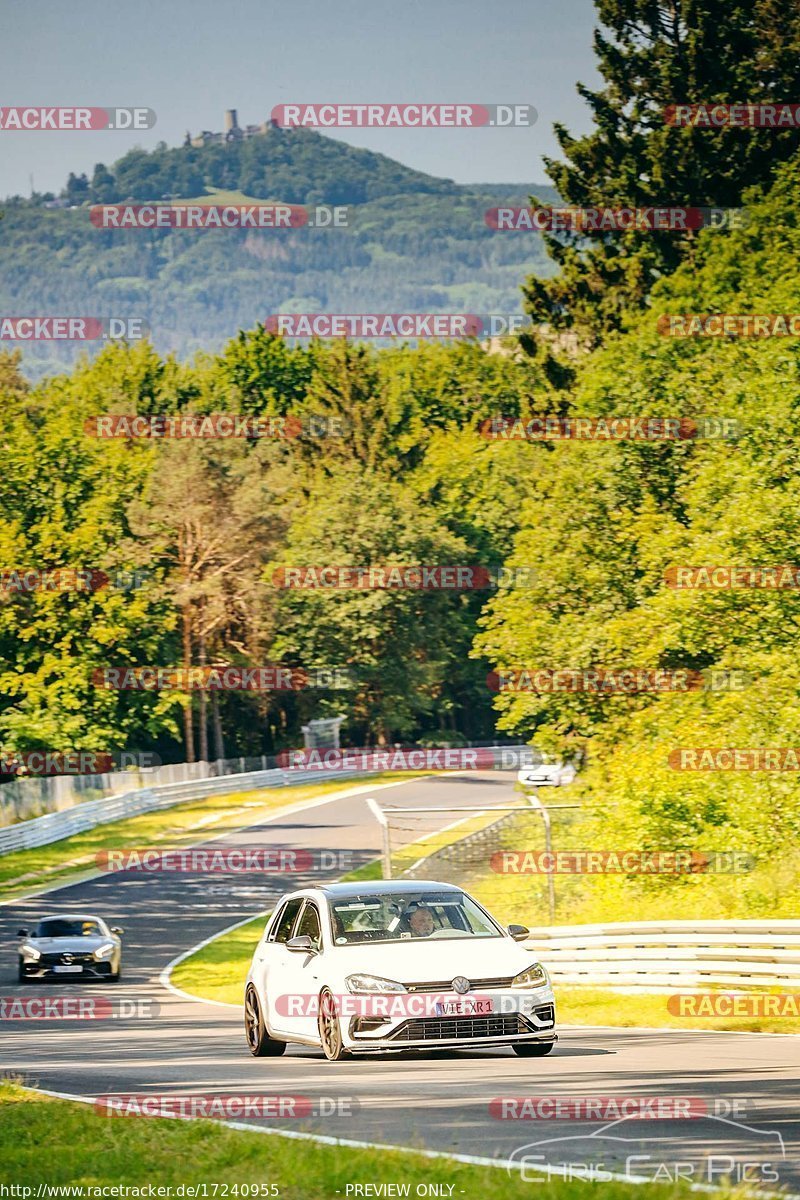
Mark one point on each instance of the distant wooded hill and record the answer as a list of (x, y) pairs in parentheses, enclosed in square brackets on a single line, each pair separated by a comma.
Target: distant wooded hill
[(413, 243)]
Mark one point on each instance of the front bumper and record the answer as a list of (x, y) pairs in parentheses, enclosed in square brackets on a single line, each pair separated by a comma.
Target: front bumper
[(88, 970), (505, 1026)]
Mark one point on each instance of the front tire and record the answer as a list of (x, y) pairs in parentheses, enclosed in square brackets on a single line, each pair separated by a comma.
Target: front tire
[(21, 976), (259, 1043), (330, 1030), (532, 1049)]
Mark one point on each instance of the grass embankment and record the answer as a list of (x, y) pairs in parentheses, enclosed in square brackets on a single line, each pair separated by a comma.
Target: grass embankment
[(60, 1142), (24, 870)]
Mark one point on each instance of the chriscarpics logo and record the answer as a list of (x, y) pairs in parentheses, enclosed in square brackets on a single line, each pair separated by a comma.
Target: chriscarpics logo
[(701, 1149)]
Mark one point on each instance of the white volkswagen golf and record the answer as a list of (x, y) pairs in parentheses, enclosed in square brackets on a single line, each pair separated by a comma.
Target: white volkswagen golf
[(394, 966)]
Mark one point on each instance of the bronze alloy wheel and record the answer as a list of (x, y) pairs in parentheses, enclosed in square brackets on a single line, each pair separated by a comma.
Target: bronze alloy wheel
[(259, 1043), (330, 1030)]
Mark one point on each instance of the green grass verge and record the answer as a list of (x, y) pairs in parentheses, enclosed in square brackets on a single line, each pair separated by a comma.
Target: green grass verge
[(218, 971), (25, 870), (60, 1142)]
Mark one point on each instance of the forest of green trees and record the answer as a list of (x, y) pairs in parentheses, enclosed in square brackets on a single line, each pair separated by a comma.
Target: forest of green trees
[(412, 479)]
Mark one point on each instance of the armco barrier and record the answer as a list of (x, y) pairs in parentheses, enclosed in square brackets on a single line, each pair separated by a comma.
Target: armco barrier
[(661, 955), (53, 827)]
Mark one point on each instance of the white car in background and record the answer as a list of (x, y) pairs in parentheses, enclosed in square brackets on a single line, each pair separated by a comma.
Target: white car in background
[(358, 967)]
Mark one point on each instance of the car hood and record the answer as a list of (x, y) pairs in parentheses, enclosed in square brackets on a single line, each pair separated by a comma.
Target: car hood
[(68, 945), (435, 961)]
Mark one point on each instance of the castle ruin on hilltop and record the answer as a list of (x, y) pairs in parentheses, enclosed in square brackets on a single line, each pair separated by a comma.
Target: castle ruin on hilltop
[(233, 132)]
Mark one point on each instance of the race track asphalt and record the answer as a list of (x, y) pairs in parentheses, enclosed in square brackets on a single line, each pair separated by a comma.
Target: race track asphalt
[(747, 1085)]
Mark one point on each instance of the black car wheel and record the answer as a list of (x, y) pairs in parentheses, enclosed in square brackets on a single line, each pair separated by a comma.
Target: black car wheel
[(21, 977), (532, 1049), (259, 1043)]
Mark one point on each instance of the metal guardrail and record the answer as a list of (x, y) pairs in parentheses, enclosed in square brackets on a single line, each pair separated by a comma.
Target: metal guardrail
[(25, 798), (672, 954), (53, 827)]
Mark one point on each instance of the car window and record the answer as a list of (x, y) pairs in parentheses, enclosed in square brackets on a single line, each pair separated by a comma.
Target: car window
[(283, 928), (55, 927), (405, 916), (309, 925)]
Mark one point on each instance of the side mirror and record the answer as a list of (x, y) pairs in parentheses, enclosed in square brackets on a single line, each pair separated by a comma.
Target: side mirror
[(22, 933), (302, 944), (519, 932), (117, 929)]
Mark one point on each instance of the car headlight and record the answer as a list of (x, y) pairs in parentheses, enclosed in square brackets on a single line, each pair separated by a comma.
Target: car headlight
[(371, 985), (533, 976), (104, 951), (29, 953)]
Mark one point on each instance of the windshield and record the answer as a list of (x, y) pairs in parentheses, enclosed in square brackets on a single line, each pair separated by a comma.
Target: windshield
[(408, 916), (62, 927)]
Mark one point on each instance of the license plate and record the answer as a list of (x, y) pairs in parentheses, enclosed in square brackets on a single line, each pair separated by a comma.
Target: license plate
[(68, 970), (463, 1008)]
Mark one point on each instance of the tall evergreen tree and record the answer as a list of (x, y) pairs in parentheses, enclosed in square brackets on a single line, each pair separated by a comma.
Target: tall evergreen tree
[(653, 54)]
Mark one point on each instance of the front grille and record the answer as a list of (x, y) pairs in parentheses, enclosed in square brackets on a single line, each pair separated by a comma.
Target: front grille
[(65, 959), (446, 985), (438, 1029)]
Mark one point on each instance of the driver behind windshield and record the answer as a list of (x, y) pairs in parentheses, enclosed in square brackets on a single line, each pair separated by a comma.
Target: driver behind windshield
[(420, 922)]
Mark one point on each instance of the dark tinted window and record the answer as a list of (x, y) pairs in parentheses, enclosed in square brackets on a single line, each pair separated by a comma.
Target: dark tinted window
[(285, 921), (309, 924), (59, 927)]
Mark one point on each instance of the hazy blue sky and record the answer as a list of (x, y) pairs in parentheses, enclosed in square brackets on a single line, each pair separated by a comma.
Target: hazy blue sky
[(189, 60)]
